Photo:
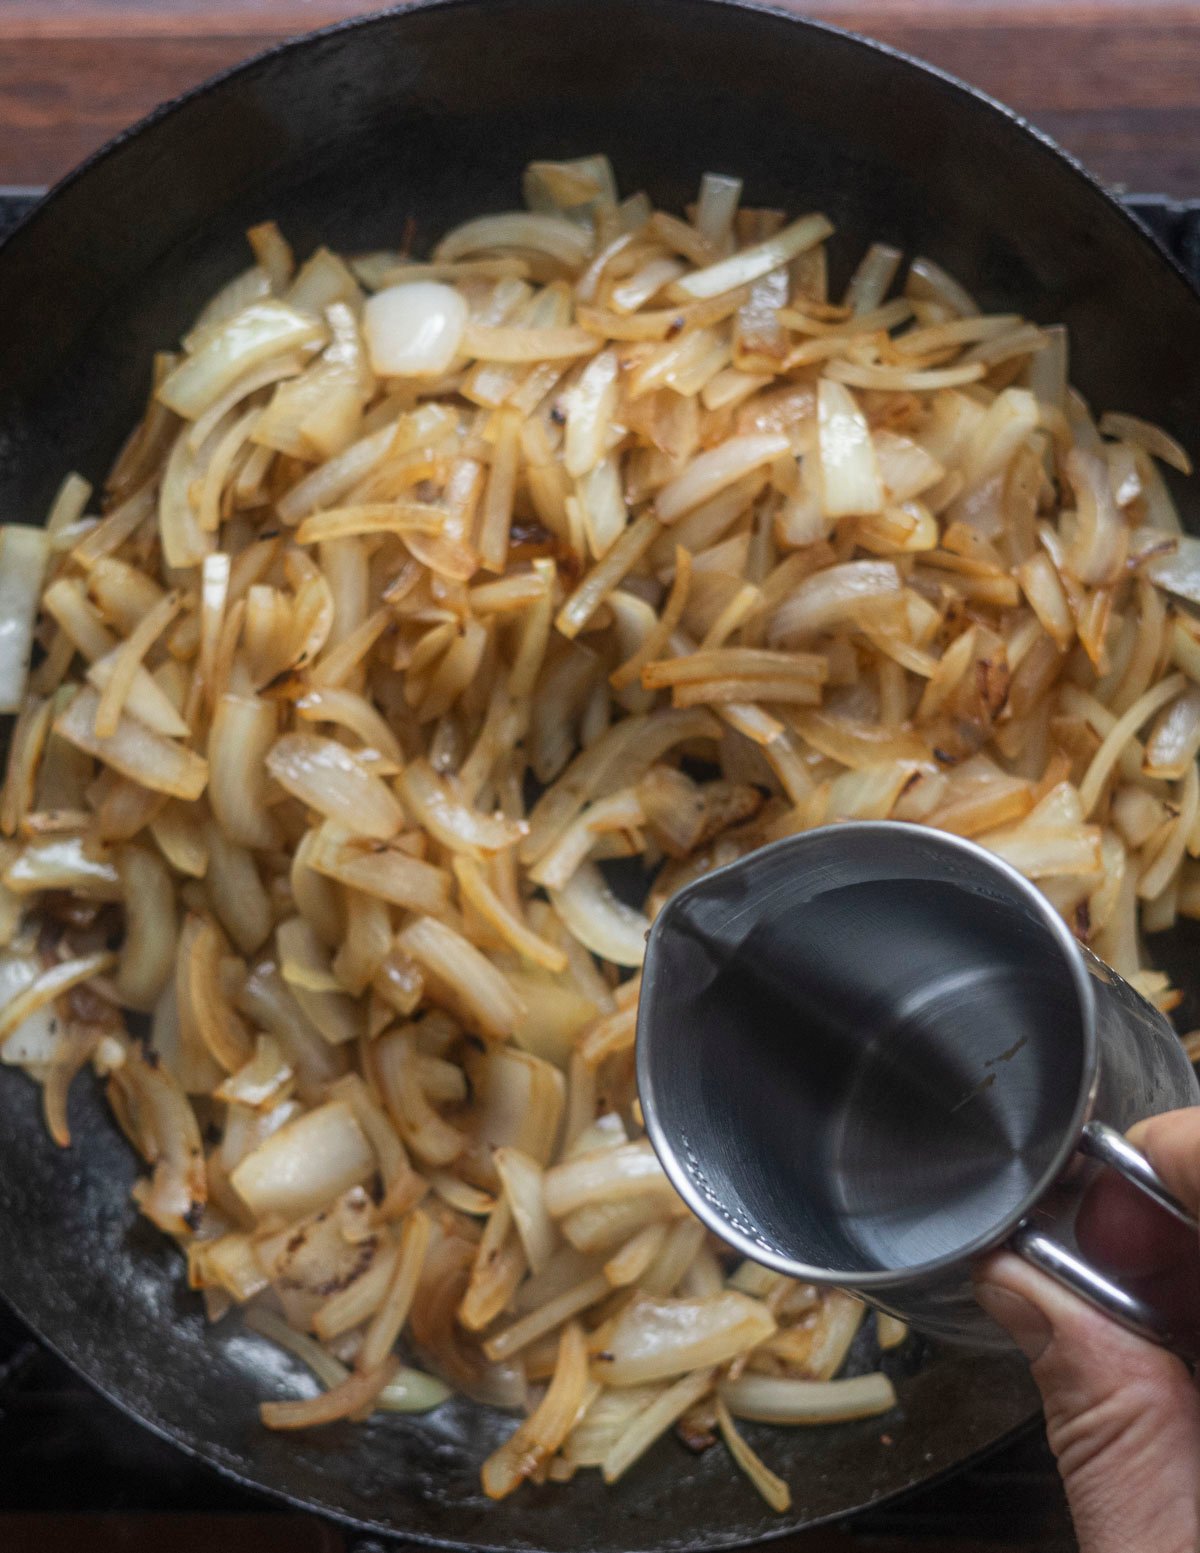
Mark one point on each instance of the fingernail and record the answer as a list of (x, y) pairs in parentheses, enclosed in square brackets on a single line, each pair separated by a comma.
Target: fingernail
[(1023, 1322)]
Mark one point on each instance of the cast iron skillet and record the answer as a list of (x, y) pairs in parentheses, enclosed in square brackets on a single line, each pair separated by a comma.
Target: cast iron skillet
[(428, 115)]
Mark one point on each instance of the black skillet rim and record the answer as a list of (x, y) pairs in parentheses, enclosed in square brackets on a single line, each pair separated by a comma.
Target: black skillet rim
[(969, 95)]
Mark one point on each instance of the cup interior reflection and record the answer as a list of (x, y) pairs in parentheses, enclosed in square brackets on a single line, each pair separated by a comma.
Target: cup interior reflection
[(860, 1075)]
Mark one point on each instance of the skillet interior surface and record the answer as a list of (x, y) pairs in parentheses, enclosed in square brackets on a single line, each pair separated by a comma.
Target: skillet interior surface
[(429, 115)]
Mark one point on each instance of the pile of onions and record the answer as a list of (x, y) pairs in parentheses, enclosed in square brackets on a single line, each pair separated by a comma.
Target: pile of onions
[(423, 590)]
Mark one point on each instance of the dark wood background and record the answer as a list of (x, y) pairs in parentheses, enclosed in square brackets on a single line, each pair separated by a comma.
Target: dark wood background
[(1116, 81)]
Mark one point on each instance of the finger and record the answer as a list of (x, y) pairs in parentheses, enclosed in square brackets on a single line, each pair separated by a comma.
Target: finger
[(1171, 1142), (1122, 1416), (1120, 1228), (1141, 1247)]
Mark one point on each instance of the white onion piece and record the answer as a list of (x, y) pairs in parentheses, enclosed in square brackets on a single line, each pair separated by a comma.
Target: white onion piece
[(1101, 542), (774, 1399), (601, 923), (873, 278), (521, 1178), (184, 542), (633, 621), (414, 330), (246, 1128), (146, 701), (573, 186), (1119, 735), (451, 822), (147, 957), (716, 207), (412, 1391), (905, 467), (23, 555), (752, 263), (386, 873), (712, 472), (50, 984), (850, 478), (654, 1421), (328, 778), (242, 732), (606, 1175), (554, 236), (178, 1188), (590, 406), (35, 1039), (262, 1082), (258, 332), (606, 1422), (1047, 370), (267, 1001), (306, 1164), (330, 481), (1175, 737), (1176, 569), (62, 863), (929, 282), (322, 280), (328, 1370), (134, 750), (655, 1339), (252, 285), (1131, 428), (304, 966), (540, 1435), (1009, 419), (303, 958), (620, 757), (480, 991), (831, 596), (519, 1101), (566, 1269), (619, 812), (645, 283), (772, 1488)]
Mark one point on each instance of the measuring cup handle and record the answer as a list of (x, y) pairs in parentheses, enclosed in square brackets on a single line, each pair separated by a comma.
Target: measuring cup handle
[(1106, 1145)]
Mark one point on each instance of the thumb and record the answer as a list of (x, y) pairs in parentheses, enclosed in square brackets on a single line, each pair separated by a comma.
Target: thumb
[(1123, 1417), (1171, 1142)]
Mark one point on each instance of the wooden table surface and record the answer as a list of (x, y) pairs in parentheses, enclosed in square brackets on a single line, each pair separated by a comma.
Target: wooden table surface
[(1116, 81)]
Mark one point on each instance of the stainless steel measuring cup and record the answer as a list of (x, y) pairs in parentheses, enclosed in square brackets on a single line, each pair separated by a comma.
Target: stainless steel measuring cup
[(869, 1053)]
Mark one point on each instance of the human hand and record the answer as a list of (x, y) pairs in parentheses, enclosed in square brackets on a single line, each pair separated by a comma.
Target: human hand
[(1122, 1416)]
